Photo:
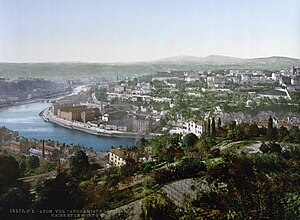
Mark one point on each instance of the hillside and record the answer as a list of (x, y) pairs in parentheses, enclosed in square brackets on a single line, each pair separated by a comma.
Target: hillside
[(111, 71)]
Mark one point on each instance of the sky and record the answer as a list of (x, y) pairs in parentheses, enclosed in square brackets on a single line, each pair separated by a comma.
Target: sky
[(141, 30)]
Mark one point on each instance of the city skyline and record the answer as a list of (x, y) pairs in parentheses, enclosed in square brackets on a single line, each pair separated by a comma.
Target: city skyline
[(129, 31)]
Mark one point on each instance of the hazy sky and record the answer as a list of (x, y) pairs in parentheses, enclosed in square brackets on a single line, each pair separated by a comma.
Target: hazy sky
[(135, 30)]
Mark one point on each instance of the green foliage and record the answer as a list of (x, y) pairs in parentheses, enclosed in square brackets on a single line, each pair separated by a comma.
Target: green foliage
[(59, 193), (219, 124), (292, 205), (272, 134), (9, 170), (213, 127), (295, 134), (112, 178), (259, 186), (45, 168), (79, 163), (165, 145), (32, 162), (31, 165), (97, 196), (272, 147), (14, 197), (268, 162), (147, 167), (189, 141), (185, 168), (204, 144), (129, 168), (283, 134), (158, 207), (101, 95), (270, 123), (236, 133), (160, 106)]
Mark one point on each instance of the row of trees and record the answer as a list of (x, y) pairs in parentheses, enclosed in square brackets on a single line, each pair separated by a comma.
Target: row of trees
[(243, 131)]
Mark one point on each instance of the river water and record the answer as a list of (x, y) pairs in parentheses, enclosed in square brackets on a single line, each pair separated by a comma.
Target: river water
[(26, 120)]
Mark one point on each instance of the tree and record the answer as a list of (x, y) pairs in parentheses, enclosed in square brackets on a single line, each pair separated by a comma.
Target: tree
[(130, 167), (32, 162), (295, 134), (208, 126), (283, 133), (9, 170), (161, 144), (275, 148), (79, 162), (16, 197), (189, 141), (270, 123), (219, 124), (292, 205), (22, 164), (213, 127), (97, 196), (158, 207), (59, 193), (204, 144), (236, 133), (264, 147), (272, 134), (272, 147), (101, 95)]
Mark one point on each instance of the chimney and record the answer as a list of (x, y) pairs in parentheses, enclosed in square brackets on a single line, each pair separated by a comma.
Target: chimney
[(43, 151)]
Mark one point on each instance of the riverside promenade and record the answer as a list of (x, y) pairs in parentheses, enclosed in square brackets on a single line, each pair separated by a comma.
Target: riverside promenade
[(47, 116)]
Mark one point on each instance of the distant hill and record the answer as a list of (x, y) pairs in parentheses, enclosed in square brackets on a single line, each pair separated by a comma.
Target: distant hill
[(91, 72), (226, 60), (212, 59)]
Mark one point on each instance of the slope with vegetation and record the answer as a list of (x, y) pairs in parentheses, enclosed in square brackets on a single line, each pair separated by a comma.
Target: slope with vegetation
[(191, 178)]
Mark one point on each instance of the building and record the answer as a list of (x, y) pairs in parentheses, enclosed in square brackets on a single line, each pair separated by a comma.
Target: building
[(78, 113), (89, 114), (42, 150), (57, 106), (191, 76), (215, 81), (71, 113), (141, 124), (118, 156), (15, 146), (196, 127), (48, 150), (295, 82)]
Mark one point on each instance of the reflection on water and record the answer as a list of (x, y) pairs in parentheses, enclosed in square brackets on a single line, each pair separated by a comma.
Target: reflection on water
[(25, 119)]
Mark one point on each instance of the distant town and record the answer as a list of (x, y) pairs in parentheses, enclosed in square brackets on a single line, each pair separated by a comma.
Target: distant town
[(181, 102)]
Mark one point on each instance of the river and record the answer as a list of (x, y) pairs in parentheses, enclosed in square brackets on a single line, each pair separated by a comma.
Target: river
[(26, 120)]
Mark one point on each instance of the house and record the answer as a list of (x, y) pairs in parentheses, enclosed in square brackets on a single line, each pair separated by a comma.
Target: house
[(118, 156), (15, 146), (194, 126)]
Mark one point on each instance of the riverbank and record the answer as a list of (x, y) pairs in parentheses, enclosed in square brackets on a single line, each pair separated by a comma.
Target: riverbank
[(47, 116), (26, 120), (36, 100)]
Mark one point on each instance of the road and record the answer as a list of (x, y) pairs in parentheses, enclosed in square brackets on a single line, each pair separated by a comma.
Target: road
[(51, 174)]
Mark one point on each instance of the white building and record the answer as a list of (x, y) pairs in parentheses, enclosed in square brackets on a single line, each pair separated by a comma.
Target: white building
[(196, 127), (118, 156)]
